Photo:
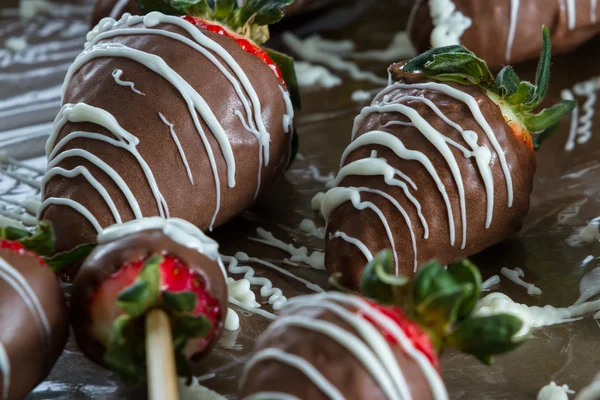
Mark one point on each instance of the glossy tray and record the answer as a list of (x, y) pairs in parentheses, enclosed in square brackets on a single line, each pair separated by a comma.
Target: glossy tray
[(566, 197)]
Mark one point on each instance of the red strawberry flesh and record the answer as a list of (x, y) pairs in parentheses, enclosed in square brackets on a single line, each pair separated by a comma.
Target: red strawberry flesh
[(175, 276), (247, 45), (411, 329)]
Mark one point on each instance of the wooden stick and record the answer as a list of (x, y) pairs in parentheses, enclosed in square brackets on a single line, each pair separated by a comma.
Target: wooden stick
[(160, 357)]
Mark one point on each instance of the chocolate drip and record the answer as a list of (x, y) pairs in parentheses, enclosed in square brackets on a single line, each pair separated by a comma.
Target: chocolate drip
[(366, 226), (108, 258), (31, 347), (571, 24), (94, 84)]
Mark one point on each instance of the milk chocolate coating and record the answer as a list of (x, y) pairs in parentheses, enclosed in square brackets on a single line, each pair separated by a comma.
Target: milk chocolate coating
[(94, 85), (107, 258), (340, 367), (31, 353), (488, 35), (343, 257), (104, 8)]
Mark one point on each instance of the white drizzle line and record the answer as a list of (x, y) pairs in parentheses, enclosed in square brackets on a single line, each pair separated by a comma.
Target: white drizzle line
[(74, 205), (244, 257), (179, 148), (116, 74), (309, 226), (593, 8), (589, 286), (395, 144), (514, 16), (14, 279), (580, 131), (356, 242), (317, 50), (379, 166), (491, 281), (81, 170), (516, 276), (591, 392), (315, 260), (337, 196), (449, 24), (118, 8), (82, 112), (276, 298), (328, 180), (4, 372), (292, 360), (572, 14)]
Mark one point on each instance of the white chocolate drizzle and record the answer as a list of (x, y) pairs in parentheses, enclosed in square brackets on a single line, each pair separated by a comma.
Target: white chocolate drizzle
[(368, 345), (309, 226), (571, 14), (179, 148), (554, 392), (4, 372), (198, 108), (117, 10), (116, 74), (13, 278), (591, 392), (179, 230), (315, 260), (356, 242), (580, 131), (512, 28), (487, 285), (516, 275), (270, 396), (449, 24)]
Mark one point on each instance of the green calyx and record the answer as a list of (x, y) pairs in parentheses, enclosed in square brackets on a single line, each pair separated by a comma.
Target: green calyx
[(125, 353), (251, 20), (442, 302), (459, 65), (42, 242)]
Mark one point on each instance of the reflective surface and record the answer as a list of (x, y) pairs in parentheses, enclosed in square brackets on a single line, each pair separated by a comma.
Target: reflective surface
[(566, 197)]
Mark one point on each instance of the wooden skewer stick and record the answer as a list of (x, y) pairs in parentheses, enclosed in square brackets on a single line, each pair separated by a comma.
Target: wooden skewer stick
[(160, 357)]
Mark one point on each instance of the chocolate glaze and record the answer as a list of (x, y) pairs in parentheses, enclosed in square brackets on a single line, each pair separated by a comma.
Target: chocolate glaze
[(340, 367), (31, 353), (488, 35), (93, 84), (108, 258), (104, 8), (343, 257)]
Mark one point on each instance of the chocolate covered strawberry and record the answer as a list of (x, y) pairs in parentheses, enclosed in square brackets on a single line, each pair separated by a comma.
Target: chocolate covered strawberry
[(441, 164), (342, 346), (140, 266), (503, 31), (169, 116), (33, 316)]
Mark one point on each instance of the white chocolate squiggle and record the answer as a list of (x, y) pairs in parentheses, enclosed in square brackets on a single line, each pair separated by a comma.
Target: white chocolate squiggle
[(4, 372), (449, 24), (116, 74)]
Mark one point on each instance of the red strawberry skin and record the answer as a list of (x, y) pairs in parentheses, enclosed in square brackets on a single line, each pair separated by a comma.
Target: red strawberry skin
[(114, 266), (18, 248), (411, 329)]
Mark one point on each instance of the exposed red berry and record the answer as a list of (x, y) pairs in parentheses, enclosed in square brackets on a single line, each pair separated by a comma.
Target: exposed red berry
[(415, 334), (175, 277), (18, 248), (246, 44)]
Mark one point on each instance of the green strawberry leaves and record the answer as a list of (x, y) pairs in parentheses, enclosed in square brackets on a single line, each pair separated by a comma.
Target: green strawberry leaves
[(459, 65), (125, 353), (451, 64), (442, 300), (260, 12), (484, 336), (42, 242)]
